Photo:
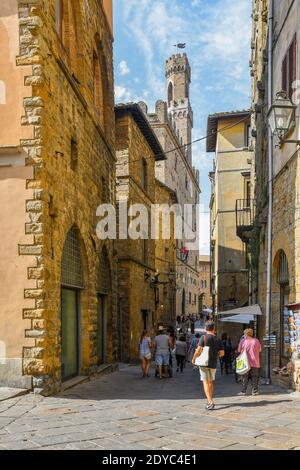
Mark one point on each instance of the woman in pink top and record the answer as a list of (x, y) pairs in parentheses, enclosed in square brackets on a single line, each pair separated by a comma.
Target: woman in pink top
[(253, 348)]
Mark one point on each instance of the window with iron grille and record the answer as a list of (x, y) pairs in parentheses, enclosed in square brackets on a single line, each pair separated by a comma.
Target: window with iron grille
[(71, 265)]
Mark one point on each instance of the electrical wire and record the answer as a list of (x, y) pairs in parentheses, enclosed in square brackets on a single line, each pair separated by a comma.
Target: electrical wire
[(193, 142)]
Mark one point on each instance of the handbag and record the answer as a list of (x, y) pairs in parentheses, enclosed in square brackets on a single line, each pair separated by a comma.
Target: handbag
[(242, 364), (202, 360), (148, 356)]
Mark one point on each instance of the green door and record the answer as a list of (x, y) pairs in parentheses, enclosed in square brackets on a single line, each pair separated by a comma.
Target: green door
[(69, 333), (101, 339)]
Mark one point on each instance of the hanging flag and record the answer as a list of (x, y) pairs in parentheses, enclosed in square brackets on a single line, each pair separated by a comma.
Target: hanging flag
[(184, 253), (181, 45)]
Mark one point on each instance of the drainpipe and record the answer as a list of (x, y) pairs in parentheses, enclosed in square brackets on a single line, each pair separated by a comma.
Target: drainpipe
[(270, 199)]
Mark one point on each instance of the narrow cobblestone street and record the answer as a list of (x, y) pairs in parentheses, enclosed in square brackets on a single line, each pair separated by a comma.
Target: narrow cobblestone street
[(123, 411)]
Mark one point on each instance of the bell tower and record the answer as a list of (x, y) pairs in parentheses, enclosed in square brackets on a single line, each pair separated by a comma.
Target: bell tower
[(178, 74)]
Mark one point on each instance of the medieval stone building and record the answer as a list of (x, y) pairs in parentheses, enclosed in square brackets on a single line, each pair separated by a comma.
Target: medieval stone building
[(137, 150), (283, 62), (57, 164), (172, 122)]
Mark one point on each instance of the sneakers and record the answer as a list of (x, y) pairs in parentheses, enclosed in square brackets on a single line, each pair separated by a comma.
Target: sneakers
[(242, 394), (256, 392)]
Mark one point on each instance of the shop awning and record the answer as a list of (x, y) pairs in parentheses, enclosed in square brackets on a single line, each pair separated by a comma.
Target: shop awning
[(242, 318), (249, 310)]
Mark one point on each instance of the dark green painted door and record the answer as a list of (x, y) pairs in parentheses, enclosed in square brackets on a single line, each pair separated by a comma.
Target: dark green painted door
[(69, 333), (101, 329)]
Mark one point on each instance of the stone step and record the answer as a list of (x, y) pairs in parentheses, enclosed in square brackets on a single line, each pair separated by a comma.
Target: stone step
[(6, 392), (101, 370)]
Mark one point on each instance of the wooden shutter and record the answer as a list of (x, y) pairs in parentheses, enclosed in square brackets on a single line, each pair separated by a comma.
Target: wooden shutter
[(292, 66), (284, 74)]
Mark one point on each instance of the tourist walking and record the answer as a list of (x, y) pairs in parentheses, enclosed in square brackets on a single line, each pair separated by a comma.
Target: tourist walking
[(252, 347), (193, 346), (145, 352), (226, 359), (181, 351), (208, 374), (162, 343)]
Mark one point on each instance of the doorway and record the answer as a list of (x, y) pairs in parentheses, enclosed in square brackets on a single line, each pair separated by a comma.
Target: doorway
[(101, 336), (69, 333), (71, 285), (145, 319)]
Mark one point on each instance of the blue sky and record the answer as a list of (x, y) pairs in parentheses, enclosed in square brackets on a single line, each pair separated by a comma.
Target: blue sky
[(217, 34)]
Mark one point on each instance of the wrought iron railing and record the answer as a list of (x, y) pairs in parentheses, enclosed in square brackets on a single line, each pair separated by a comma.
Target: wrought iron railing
[(245, 213)]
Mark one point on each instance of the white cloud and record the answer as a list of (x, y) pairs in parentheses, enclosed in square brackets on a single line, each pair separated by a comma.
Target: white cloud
[(122, 94), (123, 67)]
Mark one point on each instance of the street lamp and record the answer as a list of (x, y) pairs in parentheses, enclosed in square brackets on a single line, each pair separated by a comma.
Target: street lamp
[(281, 117)]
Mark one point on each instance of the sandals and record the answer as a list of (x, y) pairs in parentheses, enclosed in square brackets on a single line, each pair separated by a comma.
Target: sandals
[(210, 406)]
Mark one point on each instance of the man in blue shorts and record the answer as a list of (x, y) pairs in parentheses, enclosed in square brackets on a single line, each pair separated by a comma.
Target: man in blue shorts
[(162, 343)]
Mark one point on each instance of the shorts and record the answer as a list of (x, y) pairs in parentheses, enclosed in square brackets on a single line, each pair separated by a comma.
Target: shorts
[(207, 374), (162, 359)]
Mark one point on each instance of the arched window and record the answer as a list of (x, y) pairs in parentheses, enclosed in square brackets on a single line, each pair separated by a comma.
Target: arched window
[(98, 101), (67, 23), (170, 93), (100, 82), (144, 178), (283, 281), (59, 17)]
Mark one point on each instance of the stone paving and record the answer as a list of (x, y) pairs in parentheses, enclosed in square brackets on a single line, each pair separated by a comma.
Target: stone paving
[(123, 411)]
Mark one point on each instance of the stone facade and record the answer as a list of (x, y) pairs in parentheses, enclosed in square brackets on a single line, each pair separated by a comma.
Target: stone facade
[(231, 181), (136, 146), (285, 226), (204, 281), (176, 172), (165, 262), (66, 140)]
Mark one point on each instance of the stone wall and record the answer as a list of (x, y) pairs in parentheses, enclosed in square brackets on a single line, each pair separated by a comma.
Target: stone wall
[(135, 291), (71, 153), (165, 262)]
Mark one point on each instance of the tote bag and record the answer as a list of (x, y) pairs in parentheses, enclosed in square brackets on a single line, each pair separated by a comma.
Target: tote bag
[(242, 364), (202, 360)]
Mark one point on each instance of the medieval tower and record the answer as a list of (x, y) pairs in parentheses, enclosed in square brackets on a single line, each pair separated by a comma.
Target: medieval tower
[(178, 74)]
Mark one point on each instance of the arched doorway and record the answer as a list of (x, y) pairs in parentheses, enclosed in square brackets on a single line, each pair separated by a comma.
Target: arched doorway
[(71, 285), (103, 289), (283, 281)]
